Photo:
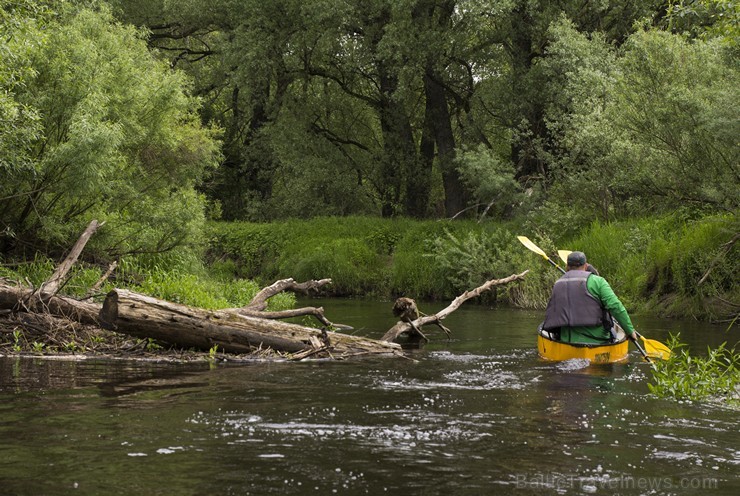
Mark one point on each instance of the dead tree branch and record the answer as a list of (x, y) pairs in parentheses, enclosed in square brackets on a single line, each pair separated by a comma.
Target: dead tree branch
[(402, 328)]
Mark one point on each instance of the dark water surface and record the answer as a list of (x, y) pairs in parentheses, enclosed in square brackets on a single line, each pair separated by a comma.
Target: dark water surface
[(480, 414)]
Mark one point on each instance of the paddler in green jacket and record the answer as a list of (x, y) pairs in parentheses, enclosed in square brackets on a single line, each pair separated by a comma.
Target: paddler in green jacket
[(582, 304)]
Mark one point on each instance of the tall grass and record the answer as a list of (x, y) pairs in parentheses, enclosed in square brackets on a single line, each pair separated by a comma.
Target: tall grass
[(383, 257), (674, 265), (179, 278)]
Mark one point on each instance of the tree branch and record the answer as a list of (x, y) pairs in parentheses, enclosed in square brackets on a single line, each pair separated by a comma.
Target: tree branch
[(407, 327)]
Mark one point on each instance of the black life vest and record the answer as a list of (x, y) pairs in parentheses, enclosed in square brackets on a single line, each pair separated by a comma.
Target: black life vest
[(571, 305)]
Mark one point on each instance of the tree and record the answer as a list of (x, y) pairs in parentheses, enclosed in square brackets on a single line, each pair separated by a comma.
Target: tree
[(279, 73), (642, 129), (520, 104), (703, 19), (118, 140), (20, 33), (675, 106)]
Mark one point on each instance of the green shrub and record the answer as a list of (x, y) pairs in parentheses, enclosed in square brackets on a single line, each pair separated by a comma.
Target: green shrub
[(693, 378), (353, 267), (473, 257)]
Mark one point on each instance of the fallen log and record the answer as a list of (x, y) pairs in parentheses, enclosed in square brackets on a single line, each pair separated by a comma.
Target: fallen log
[(19, 298), (238, 330), (44, 299), (146, 317), (413, 327)]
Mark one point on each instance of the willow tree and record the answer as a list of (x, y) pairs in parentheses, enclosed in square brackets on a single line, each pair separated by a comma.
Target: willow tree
[(116, 137), (643, 129), (21, 33)]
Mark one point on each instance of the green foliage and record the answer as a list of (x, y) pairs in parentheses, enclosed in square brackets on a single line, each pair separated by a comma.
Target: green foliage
[(362, 255), (675, 112), (692, 261), (490, 180), (172, 277), (250, 246), (472, 258), (412, 273), (715, 376), (36, 271), (579, 75), (21, 31), (383, 240), (115, 137), (640, 128), (206, 292), (705, 19), (17, 336)]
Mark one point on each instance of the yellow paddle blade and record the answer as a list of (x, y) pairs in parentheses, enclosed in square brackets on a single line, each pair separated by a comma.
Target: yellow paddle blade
[(526, 242), (563, 254), (656, 349)]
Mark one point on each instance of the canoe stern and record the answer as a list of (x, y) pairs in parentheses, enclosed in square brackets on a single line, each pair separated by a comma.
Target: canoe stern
[(559, 351)]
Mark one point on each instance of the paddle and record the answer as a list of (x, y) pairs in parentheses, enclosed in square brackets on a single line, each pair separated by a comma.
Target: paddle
[(655, 348), (642, 351), (563, 254), (526, 242)]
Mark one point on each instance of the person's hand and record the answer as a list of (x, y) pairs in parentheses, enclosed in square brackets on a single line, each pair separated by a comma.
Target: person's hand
[(633, 336)]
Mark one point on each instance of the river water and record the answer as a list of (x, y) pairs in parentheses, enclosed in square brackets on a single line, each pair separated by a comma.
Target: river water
[(479, 414)]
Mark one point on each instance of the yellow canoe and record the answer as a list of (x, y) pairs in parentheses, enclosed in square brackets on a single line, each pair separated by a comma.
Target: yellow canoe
[(550, 349)]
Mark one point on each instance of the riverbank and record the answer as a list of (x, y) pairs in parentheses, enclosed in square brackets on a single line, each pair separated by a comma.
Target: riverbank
[(671, 266)]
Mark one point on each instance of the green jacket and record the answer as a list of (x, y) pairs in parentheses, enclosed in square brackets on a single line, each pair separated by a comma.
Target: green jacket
[(601, 290)]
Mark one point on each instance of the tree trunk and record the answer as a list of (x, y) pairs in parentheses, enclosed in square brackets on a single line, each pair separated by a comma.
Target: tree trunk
[(17, 298), (146, 317)]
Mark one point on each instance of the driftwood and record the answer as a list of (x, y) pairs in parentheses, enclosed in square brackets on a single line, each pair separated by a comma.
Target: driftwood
[(56, 281), (143, 316), (44, 299), (257, 307), (412, 327)]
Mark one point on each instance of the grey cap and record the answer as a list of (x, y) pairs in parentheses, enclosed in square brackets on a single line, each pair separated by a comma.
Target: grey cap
[(576, 259)]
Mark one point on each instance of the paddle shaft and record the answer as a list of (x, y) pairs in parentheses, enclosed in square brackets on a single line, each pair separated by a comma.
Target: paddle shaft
[(533, 247), (642, 351), (556, 265)]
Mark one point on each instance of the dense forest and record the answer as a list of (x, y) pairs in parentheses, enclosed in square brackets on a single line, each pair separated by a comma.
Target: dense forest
[(174, 120)]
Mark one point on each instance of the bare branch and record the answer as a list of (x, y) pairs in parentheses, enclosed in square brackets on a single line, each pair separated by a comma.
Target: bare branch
[(406, 327)]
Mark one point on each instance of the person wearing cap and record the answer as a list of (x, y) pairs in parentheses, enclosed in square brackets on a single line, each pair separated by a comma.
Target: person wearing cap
[(582, 305)]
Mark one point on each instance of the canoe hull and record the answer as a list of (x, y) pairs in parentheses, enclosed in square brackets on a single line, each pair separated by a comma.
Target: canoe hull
[(559, 351)]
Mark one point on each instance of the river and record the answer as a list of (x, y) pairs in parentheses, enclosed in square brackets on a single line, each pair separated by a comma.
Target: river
[(479, 414)]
